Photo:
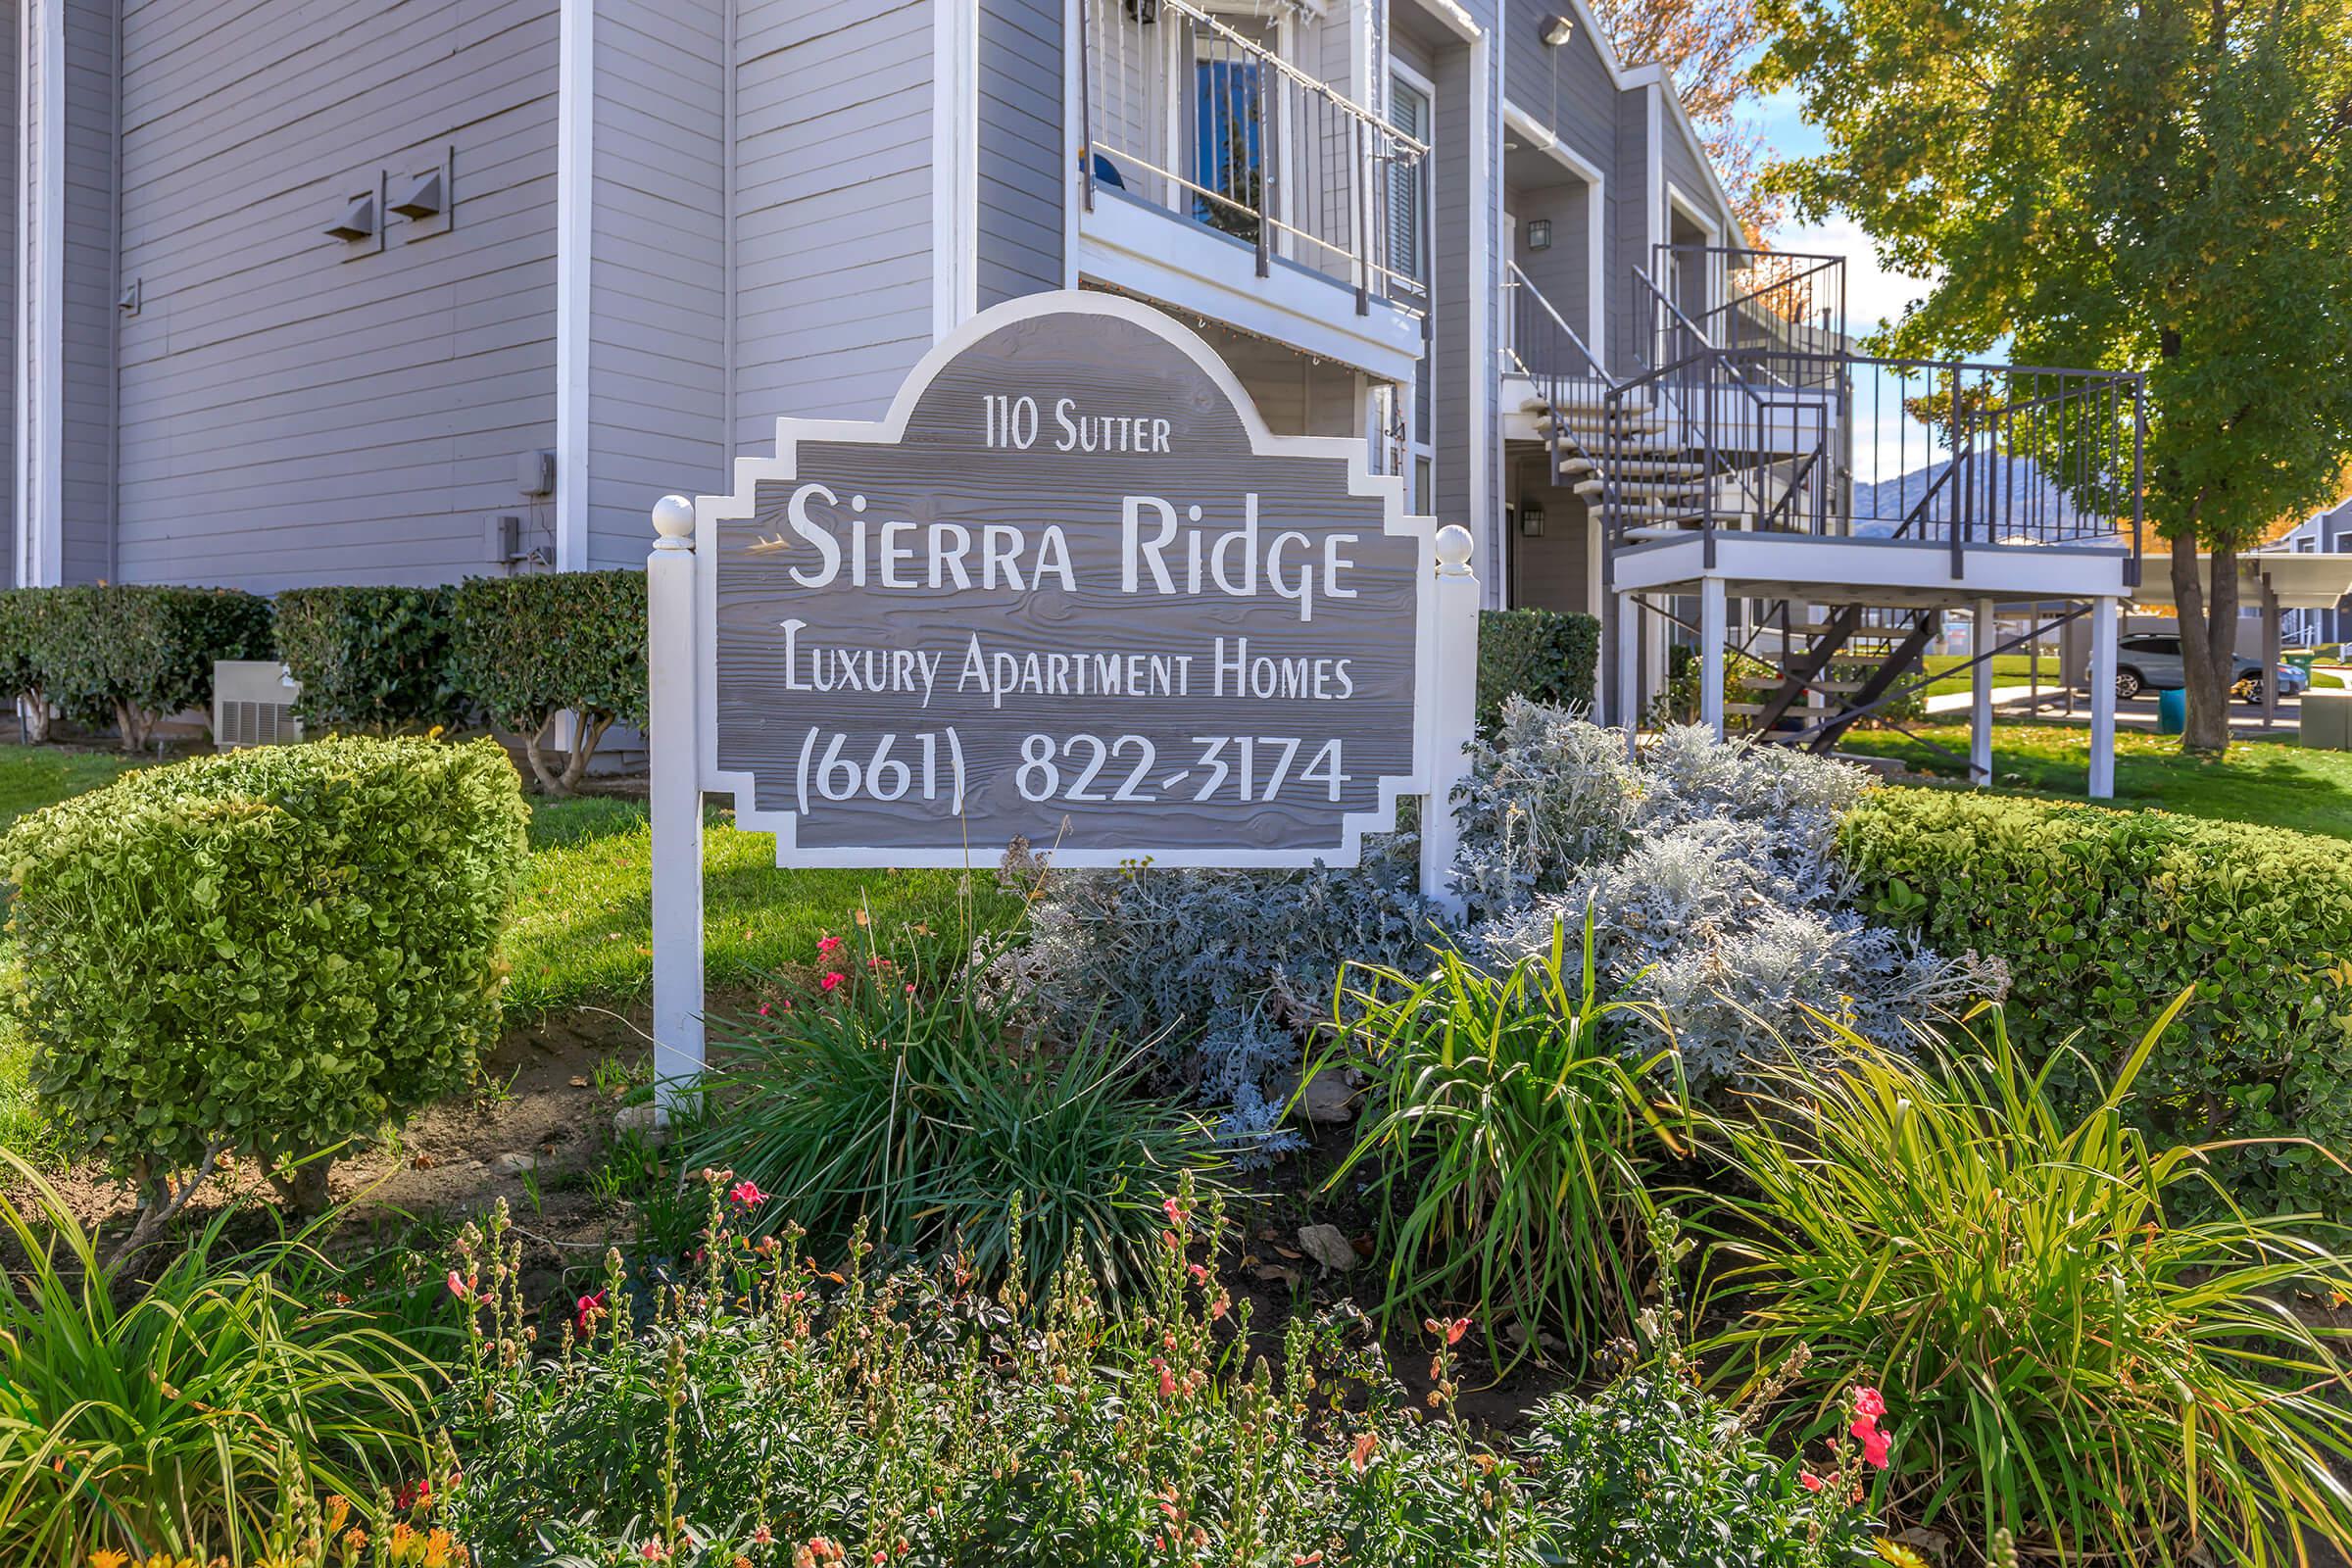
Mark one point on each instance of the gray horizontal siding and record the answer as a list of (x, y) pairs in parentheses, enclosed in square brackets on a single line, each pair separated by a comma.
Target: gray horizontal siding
[(1625, 234), (291, 414), (833, 207), (1023, 149), (9, 119), (1566, 89), (86, 450), (657, 349)]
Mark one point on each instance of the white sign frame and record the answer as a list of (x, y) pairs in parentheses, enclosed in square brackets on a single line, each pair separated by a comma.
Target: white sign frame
[(682, 600)]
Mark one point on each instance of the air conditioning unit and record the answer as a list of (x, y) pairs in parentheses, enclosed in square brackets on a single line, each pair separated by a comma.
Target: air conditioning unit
[(253, 703)]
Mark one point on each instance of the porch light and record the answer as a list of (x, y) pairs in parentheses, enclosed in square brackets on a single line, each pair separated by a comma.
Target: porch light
[(1539, 234), (1555, 30), (1531, 519)]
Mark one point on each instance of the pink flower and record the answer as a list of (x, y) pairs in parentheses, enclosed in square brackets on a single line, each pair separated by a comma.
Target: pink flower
[(1869, 1403), (587, 1309), (763, 1537), (653, 1552), (1200, 1273), (747, 1193), (1167, 1379), (832, 980), (1173, 1207), (825, 945), (1360, 1458), (910, 988), (763, 1010), (1874, 1442), (460, 1285), (1813, 1483)]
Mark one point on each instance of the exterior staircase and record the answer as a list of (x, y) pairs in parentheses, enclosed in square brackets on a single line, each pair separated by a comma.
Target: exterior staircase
[(1634, 455)]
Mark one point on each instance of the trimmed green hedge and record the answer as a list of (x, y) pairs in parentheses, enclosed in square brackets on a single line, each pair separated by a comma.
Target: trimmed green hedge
[(129, 653), (531, 647), (369, 658), (1546, 656), (267, 952), (2103, 916)]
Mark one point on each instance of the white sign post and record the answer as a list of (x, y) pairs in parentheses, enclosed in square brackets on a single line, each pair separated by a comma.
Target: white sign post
[(1070, 588)]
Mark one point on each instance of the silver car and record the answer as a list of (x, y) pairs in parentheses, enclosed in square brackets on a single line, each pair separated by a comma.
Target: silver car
[(2151, 661)]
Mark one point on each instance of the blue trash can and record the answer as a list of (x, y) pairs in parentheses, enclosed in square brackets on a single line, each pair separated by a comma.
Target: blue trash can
[(2172, 712)]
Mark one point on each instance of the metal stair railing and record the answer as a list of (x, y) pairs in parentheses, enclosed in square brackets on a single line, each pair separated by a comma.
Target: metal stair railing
[(1564, 371)]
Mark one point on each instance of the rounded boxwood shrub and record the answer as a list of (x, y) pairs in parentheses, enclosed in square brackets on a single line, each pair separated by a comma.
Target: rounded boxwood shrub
[(369, 658), (265, 952), (531, 647)]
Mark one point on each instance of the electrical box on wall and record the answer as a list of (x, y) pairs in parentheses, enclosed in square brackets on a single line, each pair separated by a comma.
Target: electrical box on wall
[(535, 472), (507, 541)]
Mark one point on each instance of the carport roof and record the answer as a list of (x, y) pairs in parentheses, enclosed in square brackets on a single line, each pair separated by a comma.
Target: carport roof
[(2302, 580)]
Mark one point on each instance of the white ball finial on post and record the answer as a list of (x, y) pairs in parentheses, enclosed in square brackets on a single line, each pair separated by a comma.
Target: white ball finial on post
[(1454, 551), (1453, 709), (673, 523)]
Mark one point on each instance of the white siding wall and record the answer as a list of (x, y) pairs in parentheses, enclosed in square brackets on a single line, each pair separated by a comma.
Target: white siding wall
[(833, 208), (288, 414)]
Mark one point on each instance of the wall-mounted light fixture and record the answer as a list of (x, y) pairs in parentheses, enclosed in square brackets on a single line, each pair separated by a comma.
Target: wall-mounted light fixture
[(358, 222), (1555, 30), (1539, 234), (1531, 517)]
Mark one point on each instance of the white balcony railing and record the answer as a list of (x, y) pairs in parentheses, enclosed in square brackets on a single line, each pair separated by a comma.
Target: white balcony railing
[(1187, 112)]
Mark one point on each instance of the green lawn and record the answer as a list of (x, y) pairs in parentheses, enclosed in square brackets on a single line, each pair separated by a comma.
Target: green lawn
[(2259, 781), (34, 777), (585, 929), (2007, 670)]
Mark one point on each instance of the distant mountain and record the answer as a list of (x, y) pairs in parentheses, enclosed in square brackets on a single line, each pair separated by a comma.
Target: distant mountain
[(2007, 494)]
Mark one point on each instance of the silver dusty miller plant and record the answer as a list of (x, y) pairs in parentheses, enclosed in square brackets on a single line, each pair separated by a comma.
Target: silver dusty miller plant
[(1711, 870)]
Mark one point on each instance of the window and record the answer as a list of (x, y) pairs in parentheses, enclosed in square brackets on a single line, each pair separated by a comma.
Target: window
[(1408, 188), (1227, 145)]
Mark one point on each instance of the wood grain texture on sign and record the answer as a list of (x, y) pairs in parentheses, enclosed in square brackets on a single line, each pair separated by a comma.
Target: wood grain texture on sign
[(886, 705)]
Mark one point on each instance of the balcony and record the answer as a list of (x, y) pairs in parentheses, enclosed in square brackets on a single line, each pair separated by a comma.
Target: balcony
[(1221, 179)]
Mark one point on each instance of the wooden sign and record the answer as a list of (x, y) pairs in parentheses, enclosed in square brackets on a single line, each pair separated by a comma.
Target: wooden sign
[(1069, 589)]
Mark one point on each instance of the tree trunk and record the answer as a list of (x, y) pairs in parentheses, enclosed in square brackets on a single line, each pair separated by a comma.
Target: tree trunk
[(2208, 642), (35, 708), (587, 734), (135, 725)]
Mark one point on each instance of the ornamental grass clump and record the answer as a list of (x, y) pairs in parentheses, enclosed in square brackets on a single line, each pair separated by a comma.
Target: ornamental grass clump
[(2066, 1357), (1507, 1144), (222, 1410), (893, 1086)]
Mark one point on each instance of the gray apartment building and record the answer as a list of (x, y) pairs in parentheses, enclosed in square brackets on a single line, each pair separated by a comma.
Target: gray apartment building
[(356, 291)]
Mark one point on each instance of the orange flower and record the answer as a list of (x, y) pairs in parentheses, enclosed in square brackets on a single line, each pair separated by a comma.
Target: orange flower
[(1360, 1456)]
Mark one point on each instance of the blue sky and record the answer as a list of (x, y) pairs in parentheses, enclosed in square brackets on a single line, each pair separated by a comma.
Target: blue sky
[(1872, 292)]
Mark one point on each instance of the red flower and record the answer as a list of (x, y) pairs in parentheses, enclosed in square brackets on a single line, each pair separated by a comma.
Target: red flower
[(1167, 1379), (587, 1309), (416, 1495), (832, 980), (825, 945), (1813, 1483), (1456, 1329), (1874, 1442), (1869, 1403), (747, 1193)]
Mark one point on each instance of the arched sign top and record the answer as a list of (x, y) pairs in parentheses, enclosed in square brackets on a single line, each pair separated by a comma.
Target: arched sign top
[(1158, 350), (1069, 589)]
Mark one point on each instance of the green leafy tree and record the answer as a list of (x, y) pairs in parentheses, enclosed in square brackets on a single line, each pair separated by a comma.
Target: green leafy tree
[(2153, 186)]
